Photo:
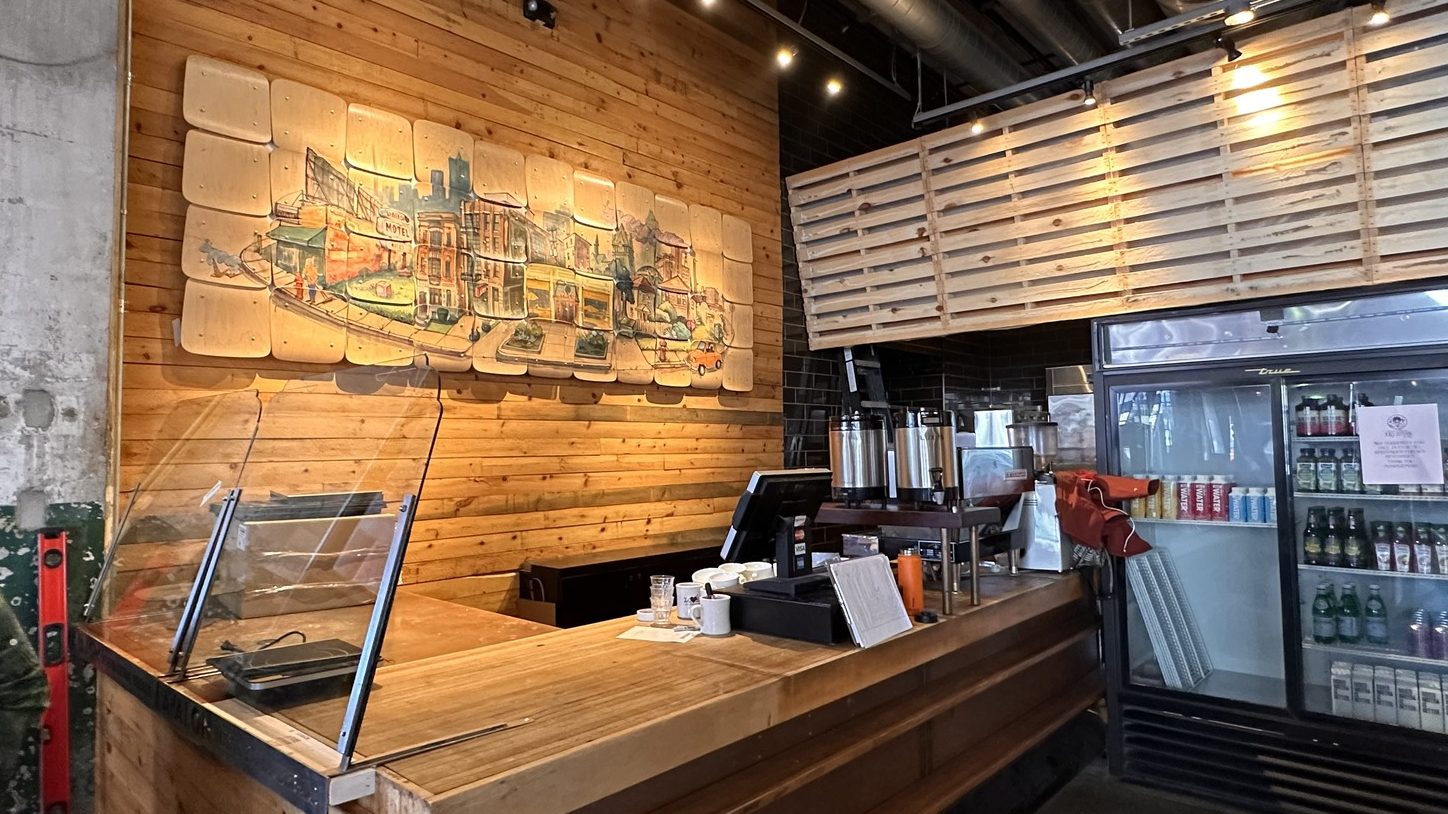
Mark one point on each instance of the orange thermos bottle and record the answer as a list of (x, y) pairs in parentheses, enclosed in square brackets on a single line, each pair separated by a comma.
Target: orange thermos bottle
[(910, 575)]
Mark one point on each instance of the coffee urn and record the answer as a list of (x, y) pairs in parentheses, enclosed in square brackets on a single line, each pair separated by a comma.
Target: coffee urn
[(927, 470), (857, 458)]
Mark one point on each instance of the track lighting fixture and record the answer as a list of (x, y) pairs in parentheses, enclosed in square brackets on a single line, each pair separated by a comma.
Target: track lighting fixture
[(1380, 14), (1089, 90), (784, 56), (1229, 45), (834, 86), (977, 127), (1239, 12)]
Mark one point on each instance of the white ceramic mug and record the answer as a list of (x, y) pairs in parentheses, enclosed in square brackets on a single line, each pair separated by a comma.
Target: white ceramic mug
[(712, 614), (758, 570), (732, 567), (687, 596), (723, 580)]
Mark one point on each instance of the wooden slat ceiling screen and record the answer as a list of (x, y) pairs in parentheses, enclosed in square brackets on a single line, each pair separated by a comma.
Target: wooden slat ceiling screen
[(1316, 161)]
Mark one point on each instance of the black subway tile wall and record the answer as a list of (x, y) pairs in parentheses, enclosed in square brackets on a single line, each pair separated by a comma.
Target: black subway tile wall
[(813, 131)]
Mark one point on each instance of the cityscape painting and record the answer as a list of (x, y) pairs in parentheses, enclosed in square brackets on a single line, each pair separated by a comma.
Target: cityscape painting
[(319, 231)]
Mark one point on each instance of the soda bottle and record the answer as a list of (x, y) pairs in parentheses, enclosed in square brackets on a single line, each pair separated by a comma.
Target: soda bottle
[(1403, 548), (1309, 418), (1328, 474), (1351, 470), (1305, 477), (1420, 634), (1333, 542), (1324, 615), (1312, 537), (1375, 617), (1383, 546), (1334, 416), (1352, 413), (1349, 616), (1423, 549), (1356, 551)]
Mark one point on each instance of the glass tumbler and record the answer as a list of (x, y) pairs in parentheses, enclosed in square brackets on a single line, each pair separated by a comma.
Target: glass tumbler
[(661, 599)]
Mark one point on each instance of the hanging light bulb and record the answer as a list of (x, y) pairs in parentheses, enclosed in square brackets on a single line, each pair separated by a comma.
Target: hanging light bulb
[(1380, 14), (1089, 89), (977, 127), (1229, 45), (784, 56), (1240, 13), (834, 86)]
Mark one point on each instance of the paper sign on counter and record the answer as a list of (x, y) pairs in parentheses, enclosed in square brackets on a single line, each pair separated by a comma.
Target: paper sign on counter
[(658, 634), (1400, 444)]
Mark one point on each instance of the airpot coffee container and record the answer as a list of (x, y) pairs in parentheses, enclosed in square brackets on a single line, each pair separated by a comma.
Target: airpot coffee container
[(857, 458), (926, 467)]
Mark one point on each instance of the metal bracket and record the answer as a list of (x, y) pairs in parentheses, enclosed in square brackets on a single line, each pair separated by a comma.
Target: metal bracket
[(185, 637)]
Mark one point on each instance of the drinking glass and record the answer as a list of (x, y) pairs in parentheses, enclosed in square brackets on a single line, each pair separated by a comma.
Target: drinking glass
[(661, 599)]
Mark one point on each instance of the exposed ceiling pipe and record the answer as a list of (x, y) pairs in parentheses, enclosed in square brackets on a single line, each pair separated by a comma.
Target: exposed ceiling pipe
[(950, 40), (1054, 27), (1112, 17)]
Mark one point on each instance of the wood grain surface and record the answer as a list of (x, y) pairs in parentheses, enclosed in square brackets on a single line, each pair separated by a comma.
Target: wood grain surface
[(633, 91), (1313, 162)]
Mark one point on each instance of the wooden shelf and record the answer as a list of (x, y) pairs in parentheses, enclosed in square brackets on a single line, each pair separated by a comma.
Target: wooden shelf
[(890, 515), (1367, 573)]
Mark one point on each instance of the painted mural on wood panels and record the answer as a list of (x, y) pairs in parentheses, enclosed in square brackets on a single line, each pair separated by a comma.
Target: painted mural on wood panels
[(322, 231)]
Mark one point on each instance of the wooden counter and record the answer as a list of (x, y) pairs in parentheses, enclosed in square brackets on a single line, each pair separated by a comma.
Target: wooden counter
[(746, 722)]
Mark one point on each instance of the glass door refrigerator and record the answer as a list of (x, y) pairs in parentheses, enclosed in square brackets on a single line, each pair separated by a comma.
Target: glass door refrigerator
[(1284, 643)]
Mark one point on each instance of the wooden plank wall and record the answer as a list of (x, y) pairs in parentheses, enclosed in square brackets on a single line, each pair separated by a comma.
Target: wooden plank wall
[(1311, 163), (630, 89)]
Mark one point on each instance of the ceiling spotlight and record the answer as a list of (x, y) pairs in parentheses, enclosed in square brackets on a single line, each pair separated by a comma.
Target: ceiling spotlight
[(784, 56), (977, 127), (1380, 14), (1240, 12), (1229, 45), (834, 86), (706, 3), (1089, 91)]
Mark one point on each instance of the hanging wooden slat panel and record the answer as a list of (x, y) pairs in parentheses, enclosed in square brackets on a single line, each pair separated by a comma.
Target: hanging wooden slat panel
[(1313, 162)]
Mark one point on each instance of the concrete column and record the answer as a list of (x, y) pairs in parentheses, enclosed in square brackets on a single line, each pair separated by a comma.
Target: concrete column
[(61, 87)]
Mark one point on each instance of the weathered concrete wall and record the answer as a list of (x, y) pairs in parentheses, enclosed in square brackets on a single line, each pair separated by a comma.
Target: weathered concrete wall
[(59, 85)]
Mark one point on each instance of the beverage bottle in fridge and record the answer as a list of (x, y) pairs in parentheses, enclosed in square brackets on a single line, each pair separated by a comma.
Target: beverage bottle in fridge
[(1357, 552), (1328, 474), (1218, 495), (1305, 474), (1423, 549), (1375, 617), (1420, 634), (1351, 472), (1152, 510), (1334, 417), (1137, 506), (1237, 504), (1312, 537), (1440, 636), (1440, 550), (1169, 506), (1352, 414), (1383, 546), (1309, 418), (1256, 501), (1403, 547), (1269, 504), (1184, 498), (1333, 542), (1349, 616), (1201, 497), (1324, 615)]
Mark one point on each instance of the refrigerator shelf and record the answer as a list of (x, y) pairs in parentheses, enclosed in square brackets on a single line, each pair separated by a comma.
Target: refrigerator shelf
[(1370, 651), (1324, 439), (1214, 523), (1369, 574), (1357, 496)]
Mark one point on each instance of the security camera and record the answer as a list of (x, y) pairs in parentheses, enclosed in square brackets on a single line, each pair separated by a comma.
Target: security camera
[(540, 11)]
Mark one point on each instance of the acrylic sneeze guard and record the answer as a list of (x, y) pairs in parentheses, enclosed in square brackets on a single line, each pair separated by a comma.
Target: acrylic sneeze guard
[(269, 520)]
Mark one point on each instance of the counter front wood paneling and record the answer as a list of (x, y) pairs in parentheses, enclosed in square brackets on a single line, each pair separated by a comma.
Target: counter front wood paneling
[(635, 91), (743, 723)]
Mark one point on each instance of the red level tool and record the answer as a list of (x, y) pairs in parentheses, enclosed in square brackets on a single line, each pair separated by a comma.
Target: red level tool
[(54, 657)]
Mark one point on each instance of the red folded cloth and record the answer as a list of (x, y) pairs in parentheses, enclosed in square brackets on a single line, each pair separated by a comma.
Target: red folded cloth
[(1086, 503)]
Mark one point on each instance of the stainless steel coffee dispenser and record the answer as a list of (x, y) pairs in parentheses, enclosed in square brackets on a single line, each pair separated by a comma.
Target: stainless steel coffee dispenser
[(926, 467), (857, 458)]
